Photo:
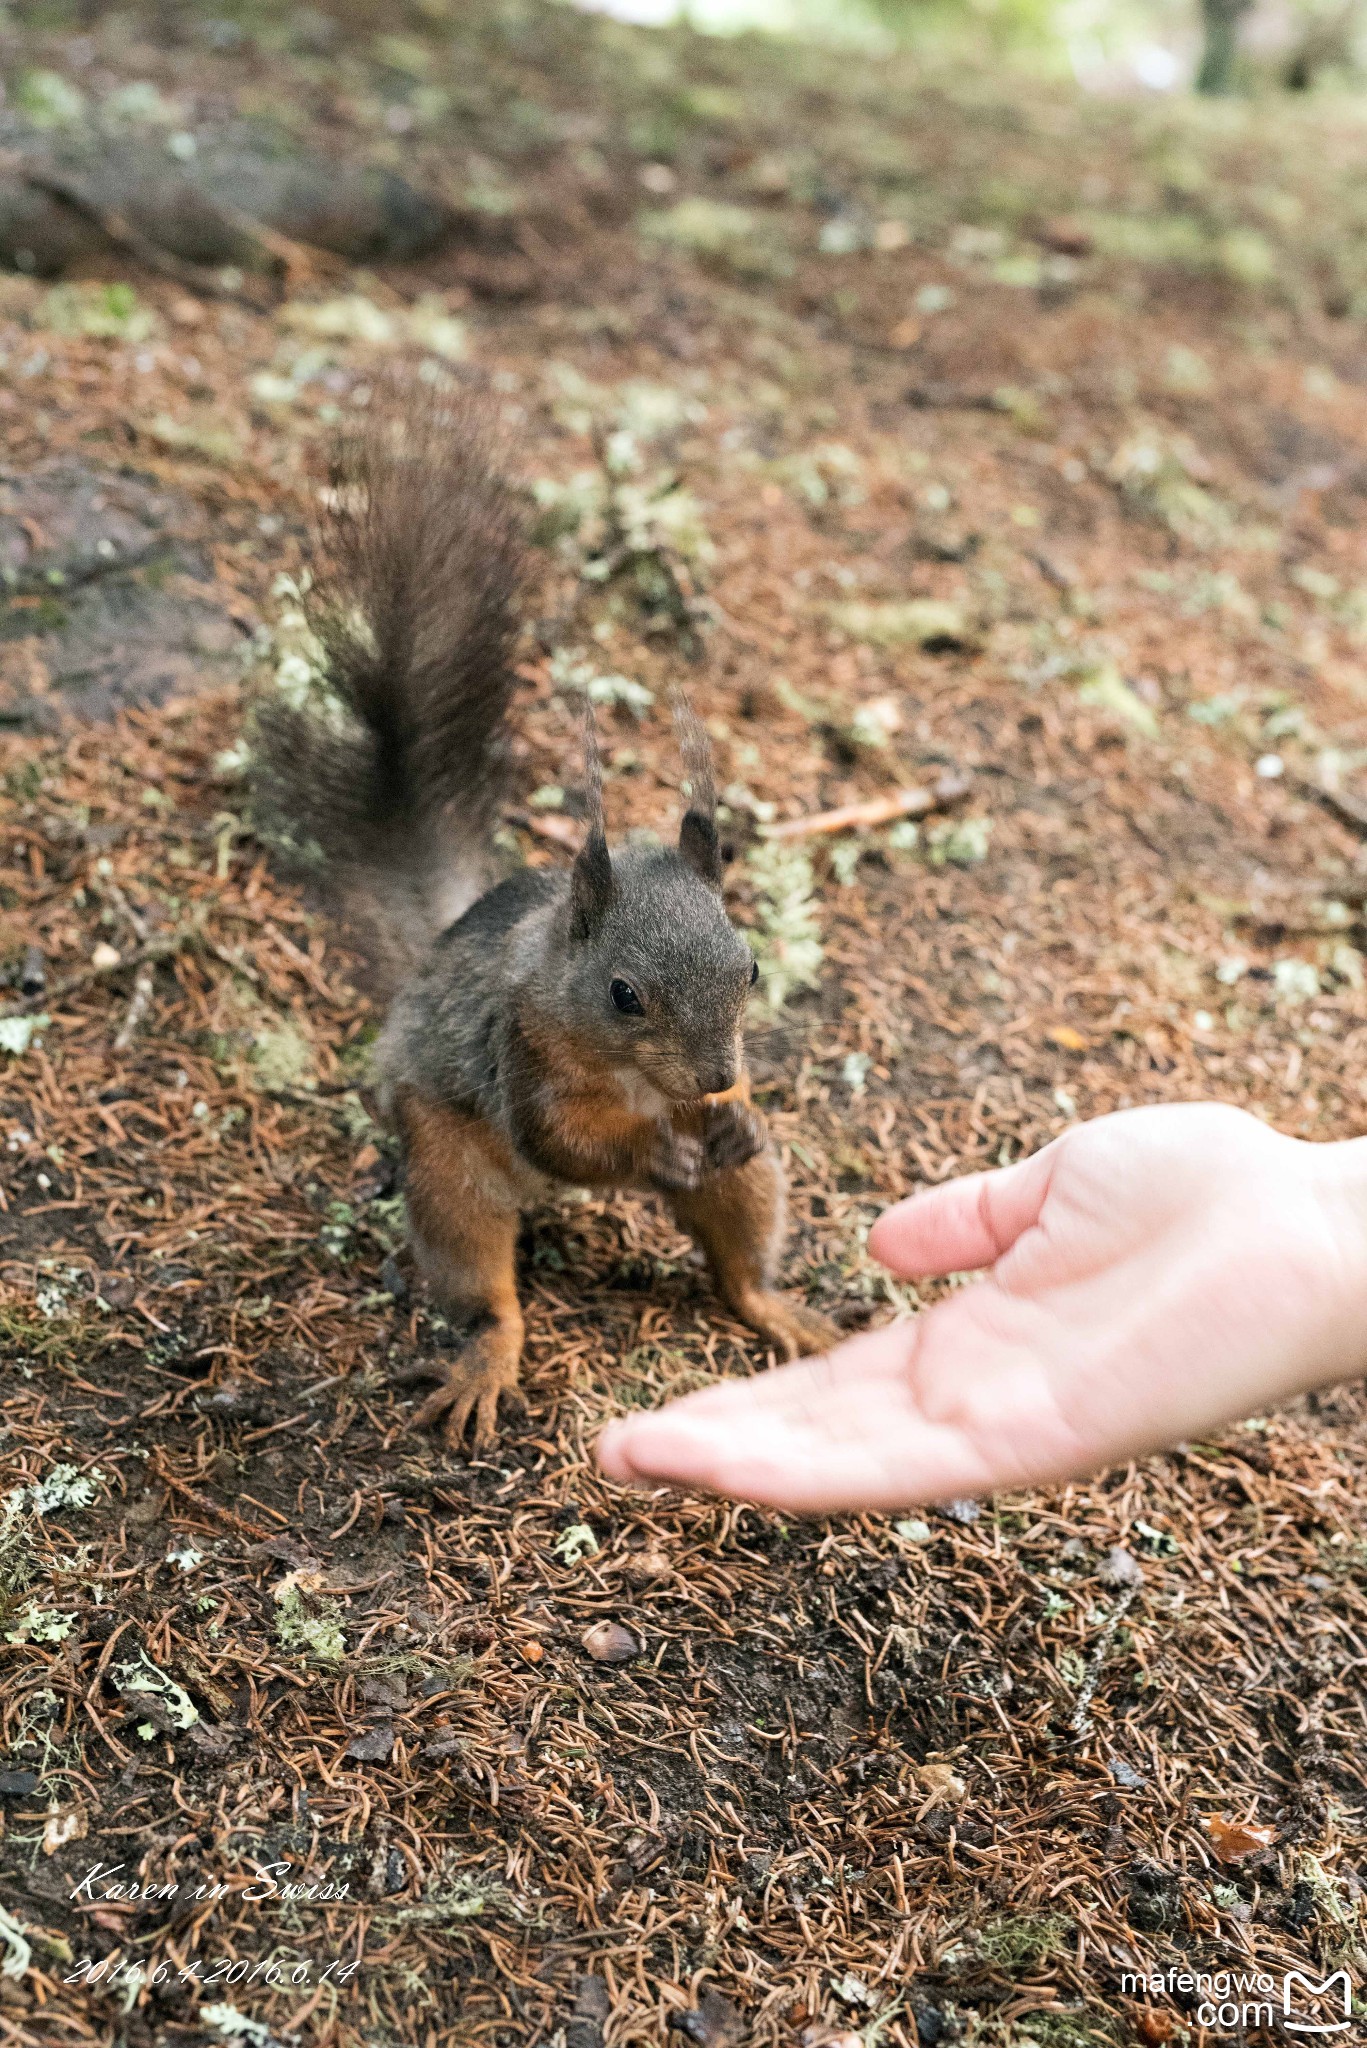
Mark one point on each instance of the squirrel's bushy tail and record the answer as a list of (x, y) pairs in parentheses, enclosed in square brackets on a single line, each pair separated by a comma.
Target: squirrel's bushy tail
[(396, 772)]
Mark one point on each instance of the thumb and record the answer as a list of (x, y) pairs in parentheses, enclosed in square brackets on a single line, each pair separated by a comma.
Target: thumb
[(966, 1223)]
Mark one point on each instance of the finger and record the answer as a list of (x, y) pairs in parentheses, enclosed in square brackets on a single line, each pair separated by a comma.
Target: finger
[(965, 1224), (816, 1437)]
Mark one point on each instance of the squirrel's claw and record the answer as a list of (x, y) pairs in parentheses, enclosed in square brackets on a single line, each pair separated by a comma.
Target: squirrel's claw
[(732, 1133), (472, 1383), (677, 1161), (793, 1330)]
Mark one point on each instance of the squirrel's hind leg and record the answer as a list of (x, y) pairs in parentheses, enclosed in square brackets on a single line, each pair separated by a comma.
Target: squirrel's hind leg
[(738, 1216), (464, 1219)]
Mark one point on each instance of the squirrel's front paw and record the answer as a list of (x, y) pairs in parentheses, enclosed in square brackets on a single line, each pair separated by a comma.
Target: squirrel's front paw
[(732, 1133), (677, 1159)]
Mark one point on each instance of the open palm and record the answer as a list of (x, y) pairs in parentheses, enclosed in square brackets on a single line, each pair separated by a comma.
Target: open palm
[(1151, 1275)]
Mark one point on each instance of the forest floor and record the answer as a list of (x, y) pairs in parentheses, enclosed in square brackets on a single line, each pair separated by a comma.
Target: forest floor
[(915, 423)]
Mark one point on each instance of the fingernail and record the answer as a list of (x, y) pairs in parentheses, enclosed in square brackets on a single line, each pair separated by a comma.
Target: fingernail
[(612, 1457)]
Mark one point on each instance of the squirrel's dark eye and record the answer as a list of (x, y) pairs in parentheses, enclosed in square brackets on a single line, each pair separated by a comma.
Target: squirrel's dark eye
[(754, 972), (625, 999)]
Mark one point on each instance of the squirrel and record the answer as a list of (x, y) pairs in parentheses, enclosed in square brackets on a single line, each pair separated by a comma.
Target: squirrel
[(579, 1026)]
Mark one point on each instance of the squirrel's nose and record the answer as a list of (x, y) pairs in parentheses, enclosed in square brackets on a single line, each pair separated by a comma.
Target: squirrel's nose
[(716, 1080)]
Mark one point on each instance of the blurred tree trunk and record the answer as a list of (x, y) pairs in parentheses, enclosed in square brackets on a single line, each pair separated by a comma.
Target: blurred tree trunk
[(1221, 19), (1328, 39)]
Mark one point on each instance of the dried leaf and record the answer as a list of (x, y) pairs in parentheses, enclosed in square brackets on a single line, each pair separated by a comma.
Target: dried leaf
[(385, 1689), (1154, 2028), (941, 1784), (592, 2007), (64, 1824), (444, 1745), (1235, 1840)]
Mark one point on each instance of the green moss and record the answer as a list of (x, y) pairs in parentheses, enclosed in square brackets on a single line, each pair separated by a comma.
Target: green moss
[(734, 237), (110, 312), (1022, 1942), (306, 1621), (49, 100), (787, 932), (927, 622), (1082, 2027), (282, 1059), (27, 1335)]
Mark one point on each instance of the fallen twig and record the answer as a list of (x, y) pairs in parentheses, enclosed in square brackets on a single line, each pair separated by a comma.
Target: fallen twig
[(1343, 807), (146, 957), (1081, 1723), (158, 1466), (114, 891), (123, 235), (296, 261), (144, 982), (292, 261), (154, 950), (876, 810), (300, 960), (228, 959)]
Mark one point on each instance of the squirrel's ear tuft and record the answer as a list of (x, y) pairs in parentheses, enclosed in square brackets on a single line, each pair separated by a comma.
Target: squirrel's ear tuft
[(590, 887), (591, 877), (701, 848), (698, 841)]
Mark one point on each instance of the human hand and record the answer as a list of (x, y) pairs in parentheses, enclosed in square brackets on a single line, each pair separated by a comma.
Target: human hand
[(1153, 1275)]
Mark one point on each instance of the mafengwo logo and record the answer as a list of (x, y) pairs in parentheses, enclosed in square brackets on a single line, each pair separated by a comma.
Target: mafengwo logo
[(1302, 1997), (1228, 2001)]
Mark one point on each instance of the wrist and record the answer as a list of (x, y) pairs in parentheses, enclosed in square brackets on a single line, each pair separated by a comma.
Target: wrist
[(1338, 1176)]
